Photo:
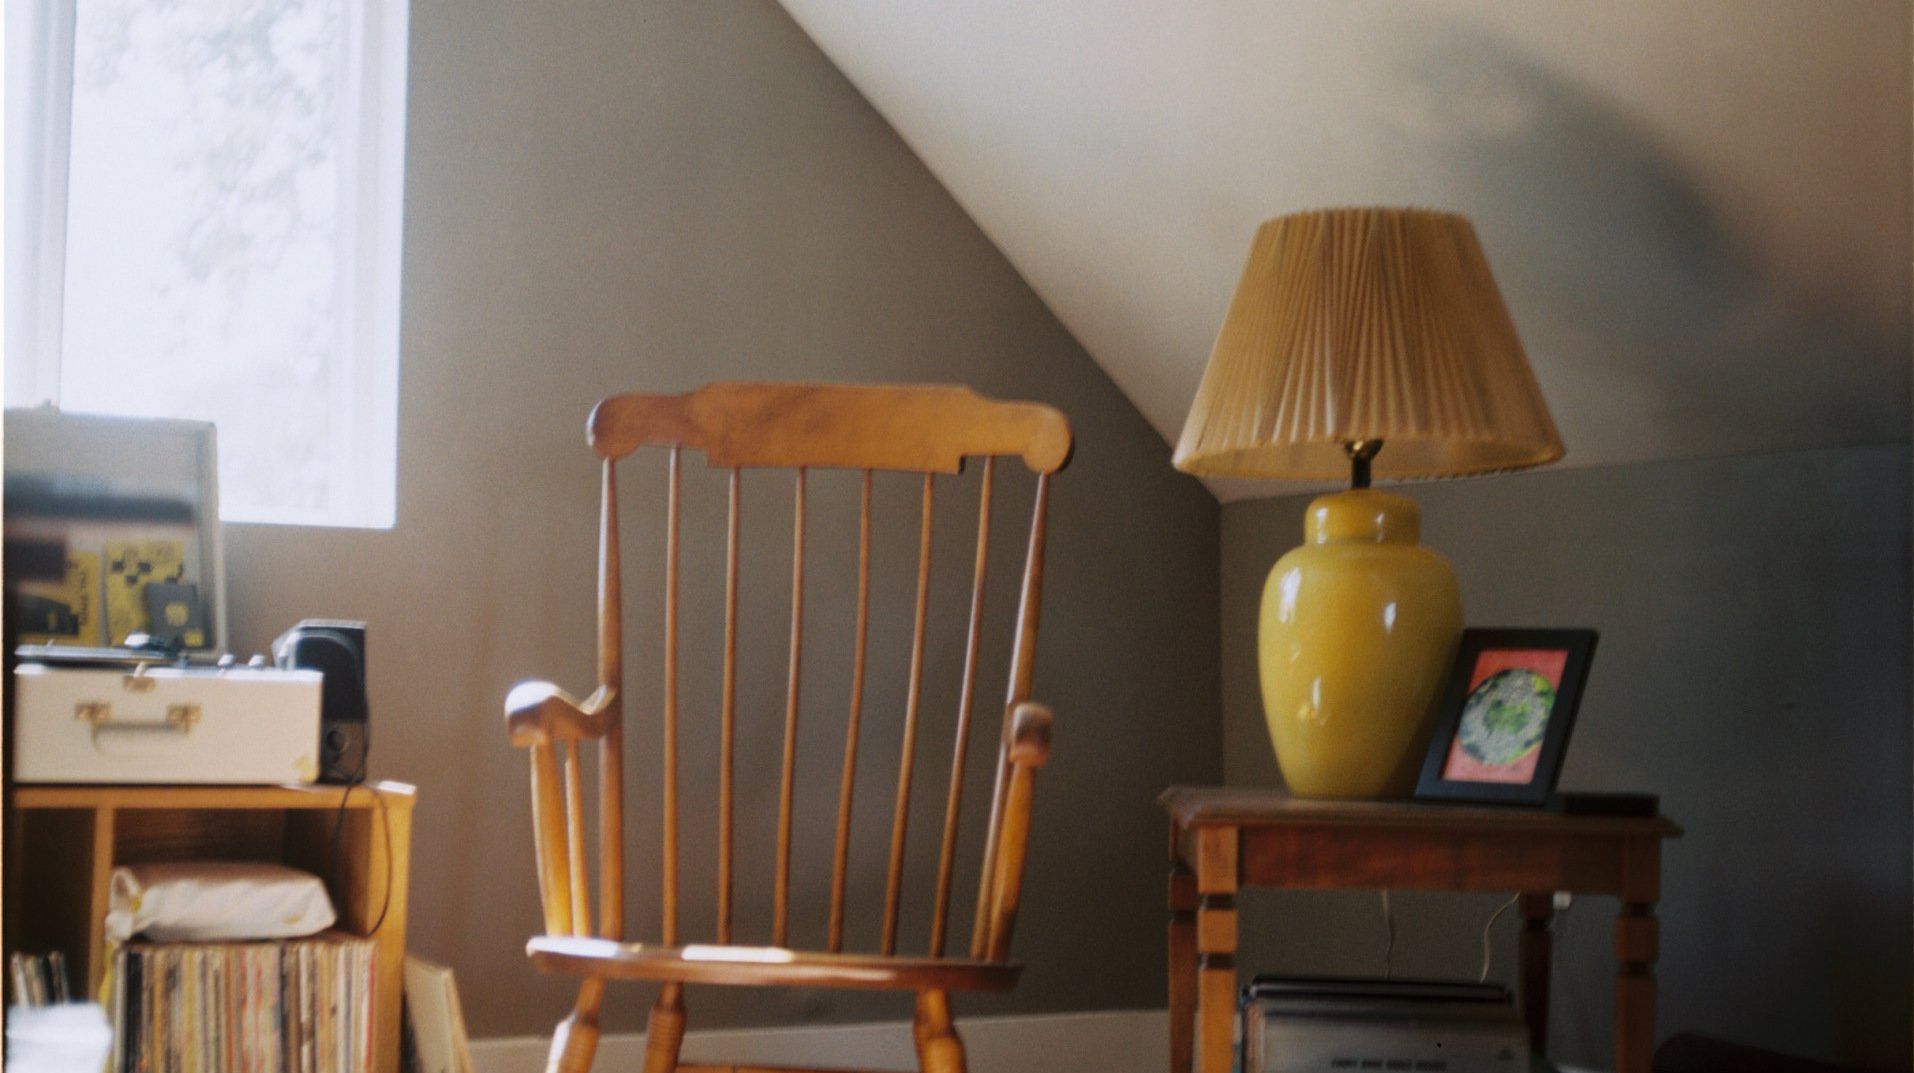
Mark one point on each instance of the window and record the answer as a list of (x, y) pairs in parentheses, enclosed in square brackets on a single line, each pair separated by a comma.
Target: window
[(203, 222)]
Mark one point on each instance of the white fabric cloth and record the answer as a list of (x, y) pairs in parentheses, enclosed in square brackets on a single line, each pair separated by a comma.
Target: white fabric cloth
[(74, 1038), (194, 901)]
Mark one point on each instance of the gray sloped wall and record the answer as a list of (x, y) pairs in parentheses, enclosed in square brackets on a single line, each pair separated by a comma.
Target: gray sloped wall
[(612, 196)]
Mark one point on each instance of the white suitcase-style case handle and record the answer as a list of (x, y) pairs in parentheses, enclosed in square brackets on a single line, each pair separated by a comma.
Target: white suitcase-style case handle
[(179, 719), (126, 737)]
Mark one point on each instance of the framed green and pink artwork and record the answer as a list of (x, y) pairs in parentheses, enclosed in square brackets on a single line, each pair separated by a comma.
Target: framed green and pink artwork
[(1505, 714)]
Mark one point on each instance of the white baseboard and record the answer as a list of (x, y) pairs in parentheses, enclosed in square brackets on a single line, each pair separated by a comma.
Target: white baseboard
[(1095, 1042), (1105, 1041)]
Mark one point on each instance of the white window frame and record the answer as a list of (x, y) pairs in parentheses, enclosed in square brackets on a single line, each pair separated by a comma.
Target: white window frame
[(39, 99)]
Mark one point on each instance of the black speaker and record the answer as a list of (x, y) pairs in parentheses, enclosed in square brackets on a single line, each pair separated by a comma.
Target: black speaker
[(337, 650)]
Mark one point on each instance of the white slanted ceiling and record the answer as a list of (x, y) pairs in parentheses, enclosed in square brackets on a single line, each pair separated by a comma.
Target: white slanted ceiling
[(1698, 211)]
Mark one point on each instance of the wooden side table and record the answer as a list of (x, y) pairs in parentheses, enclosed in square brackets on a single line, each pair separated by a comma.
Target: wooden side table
[(1225, 839)]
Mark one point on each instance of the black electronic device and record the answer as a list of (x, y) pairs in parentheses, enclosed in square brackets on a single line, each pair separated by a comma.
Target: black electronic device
[(336, 649), (1579, 803)]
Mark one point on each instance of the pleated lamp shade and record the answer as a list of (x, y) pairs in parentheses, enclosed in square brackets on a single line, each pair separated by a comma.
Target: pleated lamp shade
[(1367, 324)]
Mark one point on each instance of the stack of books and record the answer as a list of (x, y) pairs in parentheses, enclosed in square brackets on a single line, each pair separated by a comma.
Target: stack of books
[(297, 1006)]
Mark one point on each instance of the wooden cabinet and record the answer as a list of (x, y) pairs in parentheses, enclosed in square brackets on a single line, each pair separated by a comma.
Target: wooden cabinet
[(65, 841)]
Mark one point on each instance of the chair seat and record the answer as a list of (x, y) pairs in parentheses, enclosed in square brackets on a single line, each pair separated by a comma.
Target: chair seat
[(763, 966)]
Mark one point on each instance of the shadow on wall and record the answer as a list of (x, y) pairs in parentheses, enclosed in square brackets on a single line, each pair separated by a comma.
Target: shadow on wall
[(1640, 295), (1753, 671)]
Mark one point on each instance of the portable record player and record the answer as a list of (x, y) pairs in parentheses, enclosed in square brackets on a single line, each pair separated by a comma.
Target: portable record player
[(120, 682), (152, 723)]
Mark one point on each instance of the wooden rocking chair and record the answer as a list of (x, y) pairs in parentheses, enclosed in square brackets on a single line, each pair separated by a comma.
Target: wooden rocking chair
[(926, 430)]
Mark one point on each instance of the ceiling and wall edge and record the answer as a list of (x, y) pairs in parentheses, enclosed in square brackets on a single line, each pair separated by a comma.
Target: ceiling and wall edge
[(1700, 216)]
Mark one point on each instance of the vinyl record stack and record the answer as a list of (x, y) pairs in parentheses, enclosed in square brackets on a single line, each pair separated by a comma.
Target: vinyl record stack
[(299, 1006)]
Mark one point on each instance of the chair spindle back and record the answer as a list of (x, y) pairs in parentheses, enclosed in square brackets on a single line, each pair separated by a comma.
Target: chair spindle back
[(927, 430)]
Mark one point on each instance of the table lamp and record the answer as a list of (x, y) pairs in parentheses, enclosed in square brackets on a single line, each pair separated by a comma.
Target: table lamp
[(1370, 342)]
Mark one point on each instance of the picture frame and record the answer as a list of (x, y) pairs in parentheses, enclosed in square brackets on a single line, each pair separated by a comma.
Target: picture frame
[(1504, 716)]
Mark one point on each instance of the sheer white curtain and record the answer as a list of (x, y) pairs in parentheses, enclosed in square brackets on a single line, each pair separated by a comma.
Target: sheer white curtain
[(208, 227)]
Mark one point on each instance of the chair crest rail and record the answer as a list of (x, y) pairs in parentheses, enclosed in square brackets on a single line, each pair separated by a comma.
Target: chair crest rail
[(929, 429)]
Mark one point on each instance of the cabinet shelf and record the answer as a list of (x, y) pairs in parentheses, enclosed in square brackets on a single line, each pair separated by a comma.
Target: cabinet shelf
[(66, 841)]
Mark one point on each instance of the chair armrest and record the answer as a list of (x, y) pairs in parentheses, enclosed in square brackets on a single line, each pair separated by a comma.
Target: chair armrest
[(1029, 749), (538, 713), (1030, 734)]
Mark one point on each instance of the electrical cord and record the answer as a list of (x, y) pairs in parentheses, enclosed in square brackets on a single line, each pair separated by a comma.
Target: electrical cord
[(1389, 942), (1486, 948), (357, 778), (358, 781), (1389, 946)]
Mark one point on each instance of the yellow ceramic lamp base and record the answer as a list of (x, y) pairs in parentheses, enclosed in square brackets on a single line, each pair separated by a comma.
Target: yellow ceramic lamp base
[(1358, 628)]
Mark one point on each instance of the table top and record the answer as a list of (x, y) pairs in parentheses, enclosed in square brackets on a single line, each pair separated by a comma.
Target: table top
[(1250, 806)]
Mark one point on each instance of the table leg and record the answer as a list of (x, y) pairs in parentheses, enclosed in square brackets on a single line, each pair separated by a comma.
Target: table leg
[(1216, 882), (1182, 963), (1636, 942), (1537, 908)]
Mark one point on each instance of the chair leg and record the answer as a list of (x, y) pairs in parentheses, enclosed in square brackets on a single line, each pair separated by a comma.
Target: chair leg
[(938, 1048), (576, 1040), (665, 1032)]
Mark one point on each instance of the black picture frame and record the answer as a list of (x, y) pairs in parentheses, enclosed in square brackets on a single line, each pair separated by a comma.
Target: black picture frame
[(1439, 782)]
